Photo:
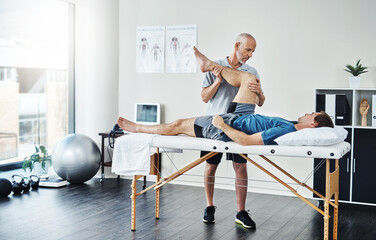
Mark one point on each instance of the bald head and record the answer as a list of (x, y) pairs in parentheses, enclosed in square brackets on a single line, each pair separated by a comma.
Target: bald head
[(243, 37)]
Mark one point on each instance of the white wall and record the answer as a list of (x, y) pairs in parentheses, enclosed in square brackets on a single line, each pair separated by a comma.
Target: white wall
[(97, 61), (301, 45)]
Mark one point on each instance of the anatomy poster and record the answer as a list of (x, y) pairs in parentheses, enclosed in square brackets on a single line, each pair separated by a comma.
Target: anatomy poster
[(150, 49), (180, 40)]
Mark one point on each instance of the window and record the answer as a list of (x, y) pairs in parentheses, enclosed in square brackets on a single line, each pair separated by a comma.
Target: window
[(36, 75)]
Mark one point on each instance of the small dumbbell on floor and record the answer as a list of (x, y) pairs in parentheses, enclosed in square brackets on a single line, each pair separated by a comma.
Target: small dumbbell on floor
[(26, 184), (17, 183), (34, 181)]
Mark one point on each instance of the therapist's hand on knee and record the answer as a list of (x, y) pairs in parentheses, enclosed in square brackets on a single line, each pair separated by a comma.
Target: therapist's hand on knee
[(255, 87), (218, 121)]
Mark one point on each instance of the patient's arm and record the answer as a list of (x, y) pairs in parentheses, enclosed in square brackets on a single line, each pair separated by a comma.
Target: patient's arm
[(236, 135)]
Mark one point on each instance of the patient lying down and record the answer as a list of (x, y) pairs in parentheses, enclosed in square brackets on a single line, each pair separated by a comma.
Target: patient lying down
[(249, 129)]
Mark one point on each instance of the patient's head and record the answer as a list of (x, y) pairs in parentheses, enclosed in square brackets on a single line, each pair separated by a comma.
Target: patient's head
[(323, 120), (315, 119)]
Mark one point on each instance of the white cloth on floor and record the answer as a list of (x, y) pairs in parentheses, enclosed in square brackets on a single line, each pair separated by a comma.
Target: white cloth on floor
[(132, 154)]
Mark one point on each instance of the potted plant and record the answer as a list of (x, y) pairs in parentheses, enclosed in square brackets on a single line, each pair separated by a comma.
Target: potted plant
[(39, 162), (354, 81)]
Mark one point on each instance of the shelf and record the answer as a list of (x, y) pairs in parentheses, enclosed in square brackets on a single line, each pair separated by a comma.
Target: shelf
[(360, 127), (358, 96), (355, 127), (356, 172), (107, 164), (345, 89), (345, 126)]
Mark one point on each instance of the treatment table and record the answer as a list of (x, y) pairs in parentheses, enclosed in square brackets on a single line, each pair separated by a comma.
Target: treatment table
[(332, 152)]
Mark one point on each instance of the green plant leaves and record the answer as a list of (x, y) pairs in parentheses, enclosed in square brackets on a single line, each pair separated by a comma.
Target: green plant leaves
[(43, 149), (357, 70), (36, 157), (27, 164)]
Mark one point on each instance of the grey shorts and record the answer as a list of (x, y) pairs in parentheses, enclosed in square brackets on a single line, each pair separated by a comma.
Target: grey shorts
[(237, 108), (241, 108), (205, 129)]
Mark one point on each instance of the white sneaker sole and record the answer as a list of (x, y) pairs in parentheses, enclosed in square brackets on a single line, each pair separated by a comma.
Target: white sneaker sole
[(240, 222)]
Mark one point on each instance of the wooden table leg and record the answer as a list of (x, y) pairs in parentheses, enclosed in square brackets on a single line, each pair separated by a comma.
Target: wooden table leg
[(133, 196), (155, 162), (326, 220)]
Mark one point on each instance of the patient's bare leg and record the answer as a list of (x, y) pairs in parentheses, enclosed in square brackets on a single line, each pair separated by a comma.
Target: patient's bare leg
[(205, 63), (234, 77), (181, 126), (245, 95)]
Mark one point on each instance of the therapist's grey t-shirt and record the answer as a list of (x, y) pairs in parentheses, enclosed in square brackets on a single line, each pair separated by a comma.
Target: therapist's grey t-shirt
[(225, 93)]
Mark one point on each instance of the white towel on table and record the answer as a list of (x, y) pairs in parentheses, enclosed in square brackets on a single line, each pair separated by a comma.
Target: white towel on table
[(132, 154)]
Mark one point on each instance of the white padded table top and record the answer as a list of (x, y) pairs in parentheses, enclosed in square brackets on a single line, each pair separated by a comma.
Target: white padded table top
[(184, 142), (187, 143)]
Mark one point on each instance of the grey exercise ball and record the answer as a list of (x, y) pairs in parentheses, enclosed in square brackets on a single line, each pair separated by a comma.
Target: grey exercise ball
[(76, 158)]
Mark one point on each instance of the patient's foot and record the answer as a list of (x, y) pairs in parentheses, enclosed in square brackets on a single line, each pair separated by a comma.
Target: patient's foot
[(205, 64), (127, 125)]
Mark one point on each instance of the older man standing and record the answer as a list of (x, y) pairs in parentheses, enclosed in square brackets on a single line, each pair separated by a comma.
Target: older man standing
[(218, 93)]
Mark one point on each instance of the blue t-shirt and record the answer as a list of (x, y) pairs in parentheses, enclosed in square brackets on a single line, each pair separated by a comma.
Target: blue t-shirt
[(270, 127)]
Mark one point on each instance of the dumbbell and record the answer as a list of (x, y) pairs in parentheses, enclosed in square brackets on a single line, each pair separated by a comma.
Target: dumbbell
[(26, 184), (17, 185), (34, 181)]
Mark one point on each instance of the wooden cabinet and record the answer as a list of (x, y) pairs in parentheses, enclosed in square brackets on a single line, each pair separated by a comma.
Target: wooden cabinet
[(357, 167)]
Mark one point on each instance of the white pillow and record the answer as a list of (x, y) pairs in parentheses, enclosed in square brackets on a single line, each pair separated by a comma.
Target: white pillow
[(313, 136)]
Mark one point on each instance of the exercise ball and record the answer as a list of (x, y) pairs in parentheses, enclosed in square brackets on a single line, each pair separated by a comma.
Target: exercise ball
[(5, 187), (76, 158)]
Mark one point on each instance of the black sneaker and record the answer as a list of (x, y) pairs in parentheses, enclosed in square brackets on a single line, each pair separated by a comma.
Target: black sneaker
[(209, 214), (244, 219)]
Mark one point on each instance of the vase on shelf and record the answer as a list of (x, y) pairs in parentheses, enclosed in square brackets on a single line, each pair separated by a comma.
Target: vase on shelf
[(354, 82), (38, 170)]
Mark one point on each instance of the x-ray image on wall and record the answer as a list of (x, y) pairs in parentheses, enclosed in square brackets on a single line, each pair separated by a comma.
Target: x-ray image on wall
[(147, 113), (150, 49)]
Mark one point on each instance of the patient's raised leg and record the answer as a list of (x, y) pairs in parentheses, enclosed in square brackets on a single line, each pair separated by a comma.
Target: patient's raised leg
[(234, 77), (181, 126)]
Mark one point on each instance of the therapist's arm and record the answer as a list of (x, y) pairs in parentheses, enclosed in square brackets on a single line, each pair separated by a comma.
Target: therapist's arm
[(207, 93)]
